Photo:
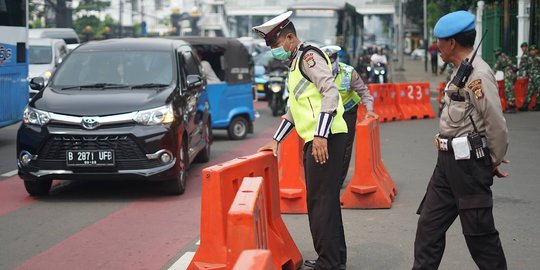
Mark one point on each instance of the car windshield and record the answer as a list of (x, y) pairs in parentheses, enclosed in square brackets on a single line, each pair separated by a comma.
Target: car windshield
[(131, 68), (40, 54)]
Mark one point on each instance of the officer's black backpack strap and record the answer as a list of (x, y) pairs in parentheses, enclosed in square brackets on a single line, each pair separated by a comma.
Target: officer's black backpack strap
[(305, 49)]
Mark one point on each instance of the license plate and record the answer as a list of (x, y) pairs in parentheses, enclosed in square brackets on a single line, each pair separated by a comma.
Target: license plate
[(90, 157)]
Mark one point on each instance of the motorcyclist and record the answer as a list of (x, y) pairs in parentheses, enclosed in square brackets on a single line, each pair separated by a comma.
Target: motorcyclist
[(376, 58)]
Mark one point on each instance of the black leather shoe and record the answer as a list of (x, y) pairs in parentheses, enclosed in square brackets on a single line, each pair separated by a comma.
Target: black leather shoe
[(536, 108), (311, 264), (523, 109)]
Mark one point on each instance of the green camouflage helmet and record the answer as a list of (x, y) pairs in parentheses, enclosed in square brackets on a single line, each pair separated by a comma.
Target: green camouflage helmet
[(533, 47)]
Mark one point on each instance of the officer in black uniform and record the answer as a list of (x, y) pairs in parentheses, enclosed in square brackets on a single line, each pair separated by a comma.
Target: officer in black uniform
[(471, 144), (316, 111)]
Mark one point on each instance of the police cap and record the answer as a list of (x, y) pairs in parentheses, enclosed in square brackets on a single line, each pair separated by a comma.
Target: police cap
[(331, 49), (271, 29), (454, 23)]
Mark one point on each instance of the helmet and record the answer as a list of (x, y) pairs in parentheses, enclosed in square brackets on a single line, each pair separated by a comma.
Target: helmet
[(332, 51)]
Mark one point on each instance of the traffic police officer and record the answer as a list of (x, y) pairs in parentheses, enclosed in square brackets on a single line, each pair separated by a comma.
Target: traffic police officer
[(316, 111), (352, 90), (504, 63), (472, 142)]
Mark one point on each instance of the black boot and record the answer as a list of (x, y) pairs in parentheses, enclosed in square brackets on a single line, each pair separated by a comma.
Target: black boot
[(536, 108), (510, 109), (523, 108)]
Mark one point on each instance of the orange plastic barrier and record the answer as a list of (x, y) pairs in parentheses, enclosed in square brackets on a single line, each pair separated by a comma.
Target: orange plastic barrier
[(255, 259), (440, 90), (413, 100), (504, 103), (292, 183), (385, 101), (520, 91), (246, 221), (220, 184), (371, 186)]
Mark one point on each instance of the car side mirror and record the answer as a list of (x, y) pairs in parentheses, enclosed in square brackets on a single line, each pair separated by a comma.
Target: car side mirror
[(37, 83), (194, 81)]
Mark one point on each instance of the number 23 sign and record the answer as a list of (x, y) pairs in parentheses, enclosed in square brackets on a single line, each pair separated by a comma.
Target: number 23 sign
[(414, 92)]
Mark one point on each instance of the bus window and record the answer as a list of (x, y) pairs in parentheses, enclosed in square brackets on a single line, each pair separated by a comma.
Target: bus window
[(324, 21), (12, 13)]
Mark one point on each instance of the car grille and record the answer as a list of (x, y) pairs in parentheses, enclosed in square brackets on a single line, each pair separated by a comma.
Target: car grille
[(128, 155)]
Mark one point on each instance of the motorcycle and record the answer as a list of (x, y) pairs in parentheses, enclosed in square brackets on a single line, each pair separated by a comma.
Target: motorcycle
[(277, 93), (379, 73)]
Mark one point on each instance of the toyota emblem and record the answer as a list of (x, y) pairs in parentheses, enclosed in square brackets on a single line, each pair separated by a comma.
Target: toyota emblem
[(89, 122)]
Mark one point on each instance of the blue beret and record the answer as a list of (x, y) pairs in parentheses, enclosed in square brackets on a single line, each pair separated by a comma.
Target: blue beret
[(454, 23)]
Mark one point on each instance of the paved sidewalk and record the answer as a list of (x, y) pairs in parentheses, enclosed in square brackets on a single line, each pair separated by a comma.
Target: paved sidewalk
[(415, 72)]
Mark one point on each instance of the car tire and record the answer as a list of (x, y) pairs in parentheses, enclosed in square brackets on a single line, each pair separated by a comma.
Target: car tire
[(204, 155), (177, 185), (238, 128), (38, 188)]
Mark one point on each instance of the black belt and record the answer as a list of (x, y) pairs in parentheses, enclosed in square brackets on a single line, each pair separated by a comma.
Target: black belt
[(444, 144)]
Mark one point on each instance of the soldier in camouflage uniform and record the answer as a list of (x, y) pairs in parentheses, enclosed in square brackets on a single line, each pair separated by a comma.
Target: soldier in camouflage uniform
[(534, 79), (504, 63), (524, 60)]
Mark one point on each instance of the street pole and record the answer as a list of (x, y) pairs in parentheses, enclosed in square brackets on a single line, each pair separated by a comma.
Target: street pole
[(425, 37), (532, 18), (120, 11), (401, 36), (506, 26)]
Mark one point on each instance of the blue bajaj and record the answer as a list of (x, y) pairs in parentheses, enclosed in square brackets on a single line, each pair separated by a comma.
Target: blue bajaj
[(227, 66)]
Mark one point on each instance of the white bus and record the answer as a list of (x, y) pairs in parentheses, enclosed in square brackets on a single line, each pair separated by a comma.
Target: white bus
[(13, 60)]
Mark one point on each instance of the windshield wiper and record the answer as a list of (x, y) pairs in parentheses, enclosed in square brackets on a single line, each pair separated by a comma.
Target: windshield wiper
[(149, 85), (97, 85)]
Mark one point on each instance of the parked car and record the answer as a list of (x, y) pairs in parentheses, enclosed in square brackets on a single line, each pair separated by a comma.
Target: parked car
[(418, 54), (117, 109), (44, 56), (67, 34)]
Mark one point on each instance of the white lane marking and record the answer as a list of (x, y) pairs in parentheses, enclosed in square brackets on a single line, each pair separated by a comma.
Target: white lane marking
[(183, 262), (9, 174)]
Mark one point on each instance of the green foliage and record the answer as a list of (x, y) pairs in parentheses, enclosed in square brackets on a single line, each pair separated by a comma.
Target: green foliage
[(436, 9), (93, 5), (97, 26)]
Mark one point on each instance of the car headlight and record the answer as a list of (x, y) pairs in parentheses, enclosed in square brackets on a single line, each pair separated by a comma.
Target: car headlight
[(376, 72), (275, 88), (260, 87), (36, 117), (47, 74), (382, 72), (156, 116)]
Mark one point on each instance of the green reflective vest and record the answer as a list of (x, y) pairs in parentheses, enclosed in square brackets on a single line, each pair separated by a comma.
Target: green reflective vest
[(305, 101), (343, 82)]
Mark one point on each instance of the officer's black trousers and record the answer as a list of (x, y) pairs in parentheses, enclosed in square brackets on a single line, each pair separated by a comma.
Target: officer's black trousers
[(324, 209), (350, 118), (458, 187)]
